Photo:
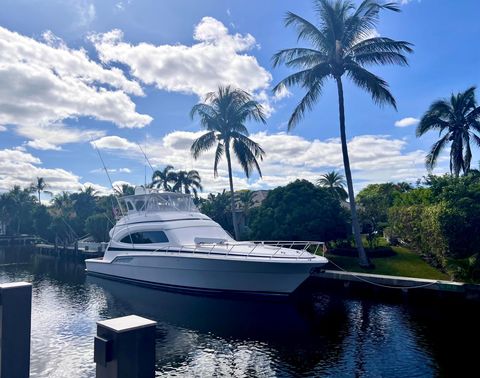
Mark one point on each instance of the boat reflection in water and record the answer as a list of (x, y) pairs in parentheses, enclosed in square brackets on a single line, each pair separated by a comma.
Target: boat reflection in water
[(210, 335)]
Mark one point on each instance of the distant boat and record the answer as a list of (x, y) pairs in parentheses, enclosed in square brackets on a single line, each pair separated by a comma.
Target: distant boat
[(164, 241)]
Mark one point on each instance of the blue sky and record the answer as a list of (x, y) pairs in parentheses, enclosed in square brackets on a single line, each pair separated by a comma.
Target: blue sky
[(127, 72)]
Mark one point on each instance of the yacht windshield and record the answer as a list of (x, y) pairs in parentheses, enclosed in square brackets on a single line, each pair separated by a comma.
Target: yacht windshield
[(155, 202)]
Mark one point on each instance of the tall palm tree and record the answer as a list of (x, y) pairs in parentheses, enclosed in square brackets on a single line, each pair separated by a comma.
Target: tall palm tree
[(457, 119), (39, 186), (187, 182), (162, 178), (335, 182), (342, 44), (224, 115)]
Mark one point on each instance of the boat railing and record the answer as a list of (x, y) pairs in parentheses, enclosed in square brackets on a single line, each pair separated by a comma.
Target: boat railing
[(248, 248)]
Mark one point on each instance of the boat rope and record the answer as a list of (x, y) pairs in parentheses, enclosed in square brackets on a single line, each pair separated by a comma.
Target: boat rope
[(382, 285)]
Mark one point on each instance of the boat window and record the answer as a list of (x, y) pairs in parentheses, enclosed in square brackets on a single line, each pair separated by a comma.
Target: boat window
[(139, 205), (145, 237)]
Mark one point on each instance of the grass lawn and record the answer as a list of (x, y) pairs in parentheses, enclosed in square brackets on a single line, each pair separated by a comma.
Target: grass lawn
[(404, 263)]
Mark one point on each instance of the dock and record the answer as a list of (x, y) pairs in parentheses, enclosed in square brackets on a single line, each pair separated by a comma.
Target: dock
[(68, 251), (17, 240), (405, 285)]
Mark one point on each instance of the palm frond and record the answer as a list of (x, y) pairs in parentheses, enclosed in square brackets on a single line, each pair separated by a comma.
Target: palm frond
[(436, 118), (381, 58), (438, 146), (289, 55), (365, 19), (253, 146), (380, 44), (306, 30), (218, 155), (202, 144), (377, 87), (307, 102), (246, 157)]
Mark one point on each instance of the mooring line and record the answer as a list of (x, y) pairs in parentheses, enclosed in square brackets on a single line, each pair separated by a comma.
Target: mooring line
[(385, 286)]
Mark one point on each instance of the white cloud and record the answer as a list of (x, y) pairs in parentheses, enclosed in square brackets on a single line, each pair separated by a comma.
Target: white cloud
[(374, 158), (112, 170), (18, 167), (218, 58), (115, 143), (86, 12), (49, 137), (45, 83), (408, 121)]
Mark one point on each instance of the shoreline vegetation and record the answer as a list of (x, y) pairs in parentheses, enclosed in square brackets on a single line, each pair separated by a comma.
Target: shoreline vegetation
[(432, 227), (408, 230)]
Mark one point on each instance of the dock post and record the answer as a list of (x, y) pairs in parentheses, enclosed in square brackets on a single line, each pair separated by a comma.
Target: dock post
[(15, 319), (125, 347)]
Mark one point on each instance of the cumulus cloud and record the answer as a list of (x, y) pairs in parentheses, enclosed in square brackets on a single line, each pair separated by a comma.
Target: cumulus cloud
[(218, 58), (408, 121), (18, 167), (43, 83), (374, 158)]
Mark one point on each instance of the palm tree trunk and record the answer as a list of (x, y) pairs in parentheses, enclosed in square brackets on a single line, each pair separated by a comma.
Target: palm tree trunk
[(39, 197), (232, 193), (362, 255)]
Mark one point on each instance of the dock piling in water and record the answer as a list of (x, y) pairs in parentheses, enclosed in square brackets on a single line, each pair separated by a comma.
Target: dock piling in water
[(15, 324), (125, 347)]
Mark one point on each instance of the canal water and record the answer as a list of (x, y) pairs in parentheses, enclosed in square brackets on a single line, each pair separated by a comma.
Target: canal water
[(323, 335)]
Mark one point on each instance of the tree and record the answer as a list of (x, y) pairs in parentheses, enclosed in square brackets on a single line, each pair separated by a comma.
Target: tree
[(217, 207), (188, 182), (342, 44), (245, 197), (18, 205), (224, 115), (162, 178), (457, 119), (124, 190), (39, 186), (334, 181), (84, 204), (299, 211), (374, 201), (98, 225)]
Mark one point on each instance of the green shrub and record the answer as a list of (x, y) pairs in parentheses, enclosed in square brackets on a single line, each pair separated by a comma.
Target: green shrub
[(299, 211)]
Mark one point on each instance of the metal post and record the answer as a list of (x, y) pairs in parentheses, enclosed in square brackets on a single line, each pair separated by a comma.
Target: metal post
[(15, 319), (125, 347)]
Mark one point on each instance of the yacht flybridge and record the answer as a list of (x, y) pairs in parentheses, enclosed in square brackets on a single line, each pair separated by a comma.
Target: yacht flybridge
[(163, 240)]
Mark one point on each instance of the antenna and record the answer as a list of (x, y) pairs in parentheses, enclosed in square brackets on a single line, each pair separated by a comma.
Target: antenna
[(146, 158), (113, 188)]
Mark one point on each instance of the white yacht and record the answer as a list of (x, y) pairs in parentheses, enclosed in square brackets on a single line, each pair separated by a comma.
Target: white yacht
[(163, 240)]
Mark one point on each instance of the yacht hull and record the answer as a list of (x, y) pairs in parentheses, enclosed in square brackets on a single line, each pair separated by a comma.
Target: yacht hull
[(272, 276)]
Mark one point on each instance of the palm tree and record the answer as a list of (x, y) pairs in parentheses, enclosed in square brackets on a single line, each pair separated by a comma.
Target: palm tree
[(342, 44), (39, 186), (63, 204), (19, 205), (124, 190), (457, 119), (162, 178), (335, 182), (223, 115), (187, 182), (245, 197)]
